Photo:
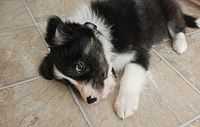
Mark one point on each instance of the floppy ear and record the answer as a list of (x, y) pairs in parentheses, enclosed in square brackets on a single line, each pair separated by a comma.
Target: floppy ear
[(54, 34), (46, 68)]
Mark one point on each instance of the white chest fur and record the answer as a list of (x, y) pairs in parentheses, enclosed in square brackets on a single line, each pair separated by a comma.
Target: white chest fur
[(120, 60)]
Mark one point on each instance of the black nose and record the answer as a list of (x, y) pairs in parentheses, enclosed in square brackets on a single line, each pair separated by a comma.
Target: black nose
[(91, 100)]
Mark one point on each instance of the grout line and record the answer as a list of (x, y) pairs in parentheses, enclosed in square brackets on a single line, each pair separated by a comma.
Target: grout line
[(8, 29), (190, 121), (80, 107), (155, 85), (71, 91), (75, 97), (10, 85), (192, 33), (179, 73), (35, 24)]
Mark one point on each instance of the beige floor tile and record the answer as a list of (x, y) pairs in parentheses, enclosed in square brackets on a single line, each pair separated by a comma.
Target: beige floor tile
[(163, 103), (39, 103), (43, 24), (13, 14), (44, 8), (195, 124), (21, 52), (190, 7), (71, 5), (187, 63)]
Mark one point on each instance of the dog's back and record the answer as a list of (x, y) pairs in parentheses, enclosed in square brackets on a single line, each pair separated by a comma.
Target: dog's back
[(133, 21)]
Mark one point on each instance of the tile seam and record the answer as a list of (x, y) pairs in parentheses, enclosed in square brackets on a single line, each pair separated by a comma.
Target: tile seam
[(19, 83), (35, 24), (71, 91), (191, 85), (80, 107), (190, 121)]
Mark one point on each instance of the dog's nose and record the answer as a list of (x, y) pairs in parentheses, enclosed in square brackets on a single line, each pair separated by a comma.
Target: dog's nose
[(91, 99)]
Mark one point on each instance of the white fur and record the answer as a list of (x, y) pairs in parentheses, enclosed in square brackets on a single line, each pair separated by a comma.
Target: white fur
[(179, 40), (84, 14), (59, 75), (134, 75), (86, 89), (130, 88), (120, 60), (180, 43), (198, 22), (107, 46)]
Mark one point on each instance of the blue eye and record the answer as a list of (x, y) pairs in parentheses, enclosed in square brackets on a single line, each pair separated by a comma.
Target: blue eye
[(80, 67)]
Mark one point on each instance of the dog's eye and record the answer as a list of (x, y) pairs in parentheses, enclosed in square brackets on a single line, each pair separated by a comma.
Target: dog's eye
[(80, 67)]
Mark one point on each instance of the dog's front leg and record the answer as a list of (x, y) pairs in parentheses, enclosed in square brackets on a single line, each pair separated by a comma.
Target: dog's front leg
[(131, 85)]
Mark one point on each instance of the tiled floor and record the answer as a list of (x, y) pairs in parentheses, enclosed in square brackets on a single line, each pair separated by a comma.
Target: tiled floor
[(171, 97)]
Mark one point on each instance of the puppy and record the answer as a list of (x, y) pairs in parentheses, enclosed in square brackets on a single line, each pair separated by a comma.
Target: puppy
[(104, 37)]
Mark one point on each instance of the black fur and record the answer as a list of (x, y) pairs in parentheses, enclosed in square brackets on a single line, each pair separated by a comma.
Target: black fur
[(190, 21), (46, 68), (52, 25), (68, 49), (142, 58), (134, 23), (135, 26)]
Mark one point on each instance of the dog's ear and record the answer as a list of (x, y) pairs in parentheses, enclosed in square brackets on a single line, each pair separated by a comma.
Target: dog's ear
[(46, 68), (90, 25), (58, 33), (53, 23)]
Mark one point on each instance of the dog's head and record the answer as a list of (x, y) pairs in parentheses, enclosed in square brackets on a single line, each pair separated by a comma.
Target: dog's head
[(77, 54)]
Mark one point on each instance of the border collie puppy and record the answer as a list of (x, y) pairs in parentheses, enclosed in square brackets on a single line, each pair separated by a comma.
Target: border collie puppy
[(104, 37)]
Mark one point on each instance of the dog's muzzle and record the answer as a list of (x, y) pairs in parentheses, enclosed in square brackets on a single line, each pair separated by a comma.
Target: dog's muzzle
[(92, 95)]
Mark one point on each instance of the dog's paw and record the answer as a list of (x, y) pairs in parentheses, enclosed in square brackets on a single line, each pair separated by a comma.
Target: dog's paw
[(126, 104), (180, 43)]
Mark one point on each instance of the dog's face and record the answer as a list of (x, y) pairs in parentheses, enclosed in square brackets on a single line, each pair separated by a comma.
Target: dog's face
[(77, 54)]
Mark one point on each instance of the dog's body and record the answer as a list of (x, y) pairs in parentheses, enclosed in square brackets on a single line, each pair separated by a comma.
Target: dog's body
[(104, 36)]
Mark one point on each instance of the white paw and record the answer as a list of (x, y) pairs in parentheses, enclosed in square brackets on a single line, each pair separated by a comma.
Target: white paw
[(198, 22), (125, 105), (180, 43)]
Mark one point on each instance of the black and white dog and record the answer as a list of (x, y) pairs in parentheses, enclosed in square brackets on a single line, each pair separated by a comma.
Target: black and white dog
[(104, 37)]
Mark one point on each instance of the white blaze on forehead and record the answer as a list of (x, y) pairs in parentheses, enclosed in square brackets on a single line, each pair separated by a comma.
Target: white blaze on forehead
[(89, 46)]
